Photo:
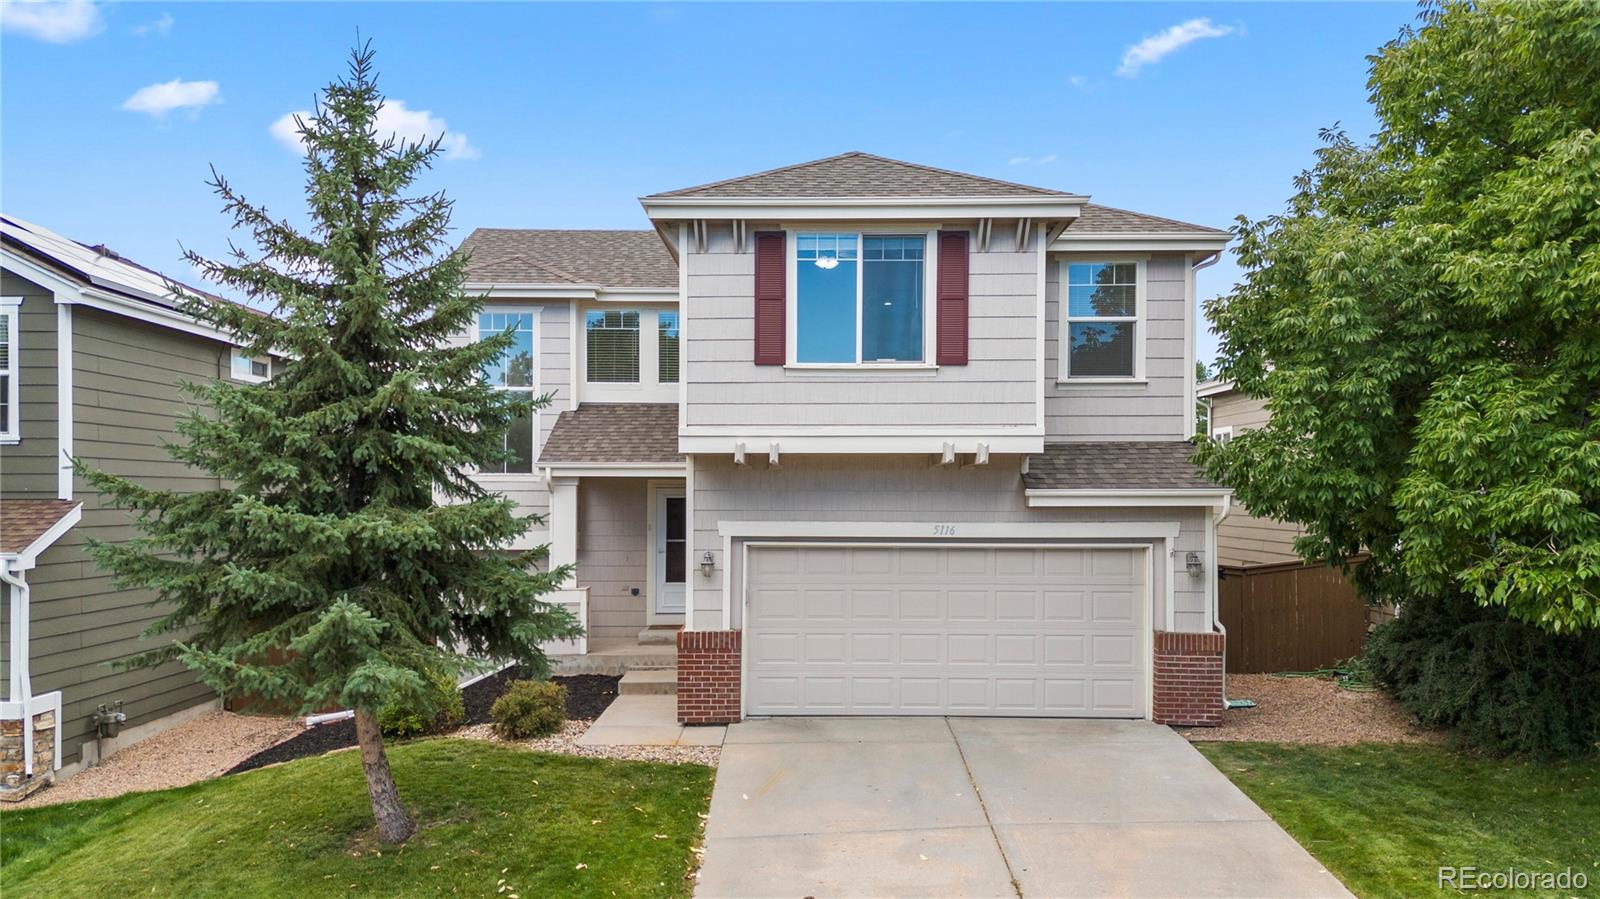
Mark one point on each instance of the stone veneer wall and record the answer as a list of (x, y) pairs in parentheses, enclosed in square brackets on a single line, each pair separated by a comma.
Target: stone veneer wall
[(14, 779)]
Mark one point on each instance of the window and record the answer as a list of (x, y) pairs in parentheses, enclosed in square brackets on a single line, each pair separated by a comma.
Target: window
[(253, 369), (667, 357), (513, 371), (10, 388), (613, 347), (860, 298), (1222, 434), (1102, 319)]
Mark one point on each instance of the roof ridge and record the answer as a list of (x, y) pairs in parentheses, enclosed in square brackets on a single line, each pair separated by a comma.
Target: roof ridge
[(1044, 191)]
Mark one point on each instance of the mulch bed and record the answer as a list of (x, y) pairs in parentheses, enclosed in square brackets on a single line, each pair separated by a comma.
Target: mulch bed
[(587, 696)]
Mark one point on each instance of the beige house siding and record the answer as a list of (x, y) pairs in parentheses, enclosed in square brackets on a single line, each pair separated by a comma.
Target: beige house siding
[(1155, 410), (900, 489), (727, 389), (612, 561), (28, 468), (126, 402), (1243, 539)]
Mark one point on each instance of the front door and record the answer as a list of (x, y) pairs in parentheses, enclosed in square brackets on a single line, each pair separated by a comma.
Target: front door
[(672, 553)]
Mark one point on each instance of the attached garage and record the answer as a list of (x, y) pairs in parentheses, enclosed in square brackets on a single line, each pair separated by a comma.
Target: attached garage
[(947, 629)]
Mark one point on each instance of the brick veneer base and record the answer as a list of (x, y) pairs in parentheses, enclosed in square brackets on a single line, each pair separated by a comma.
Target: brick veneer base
[(1188, 673), (708, 677)]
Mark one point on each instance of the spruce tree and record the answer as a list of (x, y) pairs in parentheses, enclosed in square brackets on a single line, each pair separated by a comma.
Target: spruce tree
[(349, 556)]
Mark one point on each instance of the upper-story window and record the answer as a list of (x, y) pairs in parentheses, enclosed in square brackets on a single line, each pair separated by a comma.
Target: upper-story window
[(1103, 301), (253, 369), (667, 347), (1222, 433), (860, 298), (514, 370), (613, 337), (10, 427)]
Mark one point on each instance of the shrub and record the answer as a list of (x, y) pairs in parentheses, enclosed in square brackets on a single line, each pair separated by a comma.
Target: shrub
[(440, 711), (530, 709), (1498, 684)]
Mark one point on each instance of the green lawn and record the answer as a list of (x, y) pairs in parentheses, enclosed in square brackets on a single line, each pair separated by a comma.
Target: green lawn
[(539, 824), (1385, 817)]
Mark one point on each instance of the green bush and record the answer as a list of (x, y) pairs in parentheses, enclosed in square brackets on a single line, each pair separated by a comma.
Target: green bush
[(439, 712), (530, 709), (1498, 684)]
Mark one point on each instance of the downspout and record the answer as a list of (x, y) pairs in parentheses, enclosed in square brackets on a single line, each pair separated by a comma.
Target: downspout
[(1216, 599)]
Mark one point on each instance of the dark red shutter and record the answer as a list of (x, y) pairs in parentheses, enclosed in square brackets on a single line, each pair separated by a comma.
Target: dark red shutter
[(771, 267), (951, 344)]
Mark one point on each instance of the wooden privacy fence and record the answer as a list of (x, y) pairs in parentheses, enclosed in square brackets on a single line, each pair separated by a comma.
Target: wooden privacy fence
[(1289, 617)]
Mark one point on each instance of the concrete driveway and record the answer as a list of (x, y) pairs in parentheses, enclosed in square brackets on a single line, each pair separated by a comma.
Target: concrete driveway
[(986, 807)]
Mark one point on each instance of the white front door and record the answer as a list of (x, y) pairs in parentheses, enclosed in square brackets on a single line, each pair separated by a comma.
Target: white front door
[(672, 552)]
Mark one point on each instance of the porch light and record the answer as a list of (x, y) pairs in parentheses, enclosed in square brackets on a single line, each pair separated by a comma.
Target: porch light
[(708, 562), (1192, 563)]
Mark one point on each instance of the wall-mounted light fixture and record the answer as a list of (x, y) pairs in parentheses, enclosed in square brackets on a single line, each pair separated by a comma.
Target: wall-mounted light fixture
[(708, 563), (1193, 564)]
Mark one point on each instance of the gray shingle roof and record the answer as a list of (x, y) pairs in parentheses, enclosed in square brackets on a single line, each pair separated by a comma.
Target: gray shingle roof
[(857, 174), (1129, 465), (612, 433), (624, 259), (1108, 220)]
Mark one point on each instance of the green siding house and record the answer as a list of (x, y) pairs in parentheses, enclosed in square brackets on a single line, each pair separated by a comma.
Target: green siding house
[(92, 357)]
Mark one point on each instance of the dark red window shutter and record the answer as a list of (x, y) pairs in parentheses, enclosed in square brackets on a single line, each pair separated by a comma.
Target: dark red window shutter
[(771, 268), (951, 344)]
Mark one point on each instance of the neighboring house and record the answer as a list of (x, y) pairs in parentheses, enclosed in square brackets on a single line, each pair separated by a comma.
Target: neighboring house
[(91, 356), (880, 438), (1283, 612)]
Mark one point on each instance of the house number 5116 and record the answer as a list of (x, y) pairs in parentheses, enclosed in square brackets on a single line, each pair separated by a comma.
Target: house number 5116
[(944, 530)]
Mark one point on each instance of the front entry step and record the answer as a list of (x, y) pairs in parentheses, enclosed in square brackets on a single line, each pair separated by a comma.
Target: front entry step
[(649, 682), (659, 636)]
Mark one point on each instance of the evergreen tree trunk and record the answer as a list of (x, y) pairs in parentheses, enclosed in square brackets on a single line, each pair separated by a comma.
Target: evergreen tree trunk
[(394, 824)]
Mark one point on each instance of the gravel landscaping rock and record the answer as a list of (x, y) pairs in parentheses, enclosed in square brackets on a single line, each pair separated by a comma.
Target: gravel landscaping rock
[(195, 750), (1311, 710), (566, 743), (587, 696)]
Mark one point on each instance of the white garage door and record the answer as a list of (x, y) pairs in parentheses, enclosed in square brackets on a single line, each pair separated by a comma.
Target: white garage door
[(934, 630)]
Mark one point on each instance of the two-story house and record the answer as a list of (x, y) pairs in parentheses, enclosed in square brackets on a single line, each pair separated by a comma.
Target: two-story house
[(93, 353), (883, 439)]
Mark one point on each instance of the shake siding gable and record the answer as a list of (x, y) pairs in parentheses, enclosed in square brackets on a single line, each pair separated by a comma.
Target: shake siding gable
[(1157, 409), (725, 389), (28, 468)]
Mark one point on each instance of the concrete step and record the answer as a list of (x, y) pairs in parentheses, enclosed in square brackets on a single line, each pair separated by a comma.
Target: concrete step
[(659, 636), (649, 682)]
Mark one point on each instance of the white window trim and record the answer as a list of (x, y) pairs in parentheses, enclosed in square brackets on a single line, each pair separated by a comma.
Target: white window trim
[(1222, 433), (235, 356), (11, 308), (930, 319), (535, 390), (643, 351), (649, 388), (1139, 318)]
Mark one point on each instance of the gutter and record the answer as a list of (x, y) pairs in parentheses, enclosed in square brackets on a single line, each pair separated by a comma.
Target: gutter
[(1216, 600)]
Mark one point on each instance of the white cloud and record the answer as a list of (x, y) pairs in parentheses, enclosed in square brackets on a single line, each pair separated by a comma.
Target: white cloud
[(1032, 160), (394, 117), (161, 27), (1156, 47), (56, 21), (156, 100)]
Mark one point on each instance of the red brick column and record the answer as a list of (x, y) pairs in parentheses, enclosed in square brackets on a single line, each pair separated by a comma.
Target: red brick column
[(1188, 672), (708, 677)]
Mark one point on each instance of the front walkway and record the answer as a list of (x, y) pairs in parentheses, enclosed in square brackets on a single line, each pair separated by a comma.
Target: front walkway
[(987, 807)]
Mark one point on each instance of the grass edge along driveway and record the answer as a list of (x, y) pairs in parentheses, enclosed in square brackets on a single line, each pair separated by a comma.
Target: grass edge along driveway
[(491, 816), (1384, 817)]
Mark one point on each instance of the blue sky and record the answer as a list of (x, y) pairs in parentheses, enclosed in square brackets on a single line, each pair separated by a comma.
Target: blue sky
[(561, 116)]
